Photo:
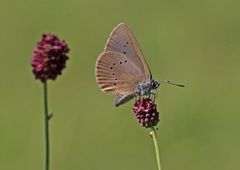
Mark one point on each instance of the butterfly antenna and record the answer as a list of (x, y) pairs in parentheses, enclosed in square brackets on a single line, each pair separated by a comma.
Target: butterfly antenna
[(168, 82)]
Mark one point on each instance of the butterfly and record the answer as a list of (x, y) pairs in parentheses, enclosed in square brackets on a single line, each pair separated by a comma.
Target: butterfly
[(121, 68)]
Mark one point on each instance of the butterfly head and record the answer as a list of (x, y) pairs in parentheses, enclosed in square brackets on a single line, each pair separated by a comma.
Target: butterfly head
[(154, 84)]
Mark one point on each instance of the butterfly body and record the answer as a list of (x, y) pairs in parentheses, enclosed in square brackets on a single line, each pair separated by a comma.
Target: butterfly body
[(121, 68), (146, 88)]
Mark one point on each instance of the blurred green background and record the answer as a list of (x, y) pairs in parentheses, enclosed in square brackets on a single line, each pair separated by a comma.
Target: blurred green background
[(196, 43)]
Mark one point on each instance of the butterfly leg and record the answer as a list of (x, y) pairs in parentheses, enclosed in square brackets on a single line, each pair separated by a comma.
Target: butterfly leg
[(155, 94), (137, 97), (152, 96)]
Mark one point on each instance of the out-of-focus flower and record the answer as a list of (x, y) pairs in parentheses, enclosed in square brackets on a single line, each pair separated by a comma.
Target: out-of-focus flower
[(49, 57), (146, 112)]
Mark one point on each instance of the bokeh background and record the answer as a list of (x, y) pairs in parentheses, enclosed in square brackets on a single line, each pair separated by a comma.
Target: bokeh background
[(196, 43)]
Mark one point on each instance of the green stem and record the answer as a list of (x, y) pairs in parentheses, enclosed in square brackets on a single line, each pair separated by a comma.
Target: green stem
[(46, 118), (154, 137)]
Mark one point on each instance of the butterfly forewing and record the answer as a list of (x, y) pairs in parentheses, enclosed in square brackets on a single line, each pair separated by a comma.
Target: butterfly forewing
[(123, 41), (117, 74)]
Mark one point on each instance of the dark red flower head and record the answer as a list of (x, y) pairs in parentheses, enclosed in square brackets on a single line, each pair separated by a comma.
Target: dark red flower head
[(49, 57), (146, 112)]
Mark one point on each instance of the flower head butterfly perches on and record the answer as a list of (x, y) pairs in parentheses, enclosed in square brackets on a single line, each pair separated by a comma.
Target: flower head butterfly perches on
[(145, 110)]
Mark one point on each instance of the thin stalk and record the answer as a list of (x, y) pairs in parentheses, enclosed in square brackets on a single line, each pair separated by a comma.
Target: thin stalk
[(154, 137), (46, 118)]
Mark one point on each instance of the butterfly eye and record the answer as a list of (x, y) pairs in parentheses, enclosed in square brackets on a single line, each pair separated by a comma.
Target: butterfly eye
[(154, 84), (125, 61), (120, 62), (124, 52), (114, 84), (111, 68), (113, 74), (115, 78), (113, 63)]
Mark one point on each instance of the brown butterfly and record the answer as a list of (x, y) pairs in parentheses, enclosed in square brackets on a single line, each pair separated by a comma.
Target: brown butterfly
[(121, 68)]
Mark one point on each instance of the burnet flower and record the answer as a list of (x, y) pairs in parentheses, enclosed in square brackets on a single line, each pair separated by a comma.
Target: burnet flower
[(145, 110), (49, 57)]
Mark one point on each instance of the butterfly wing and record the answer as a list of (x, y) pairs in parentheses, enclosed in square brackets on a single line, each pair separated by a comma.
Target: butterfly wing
[(123, 41), (121, 99), (117, 74)]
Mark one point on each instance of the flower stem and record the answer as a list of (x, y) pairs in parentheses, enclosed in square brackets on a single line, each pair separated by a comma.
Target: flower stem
[(154, 137), (46, 118)]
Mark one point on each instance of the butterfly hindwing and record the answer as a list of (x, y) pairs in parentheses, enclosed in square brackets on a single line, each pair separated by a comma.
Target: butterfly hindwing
[(121, 99)]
